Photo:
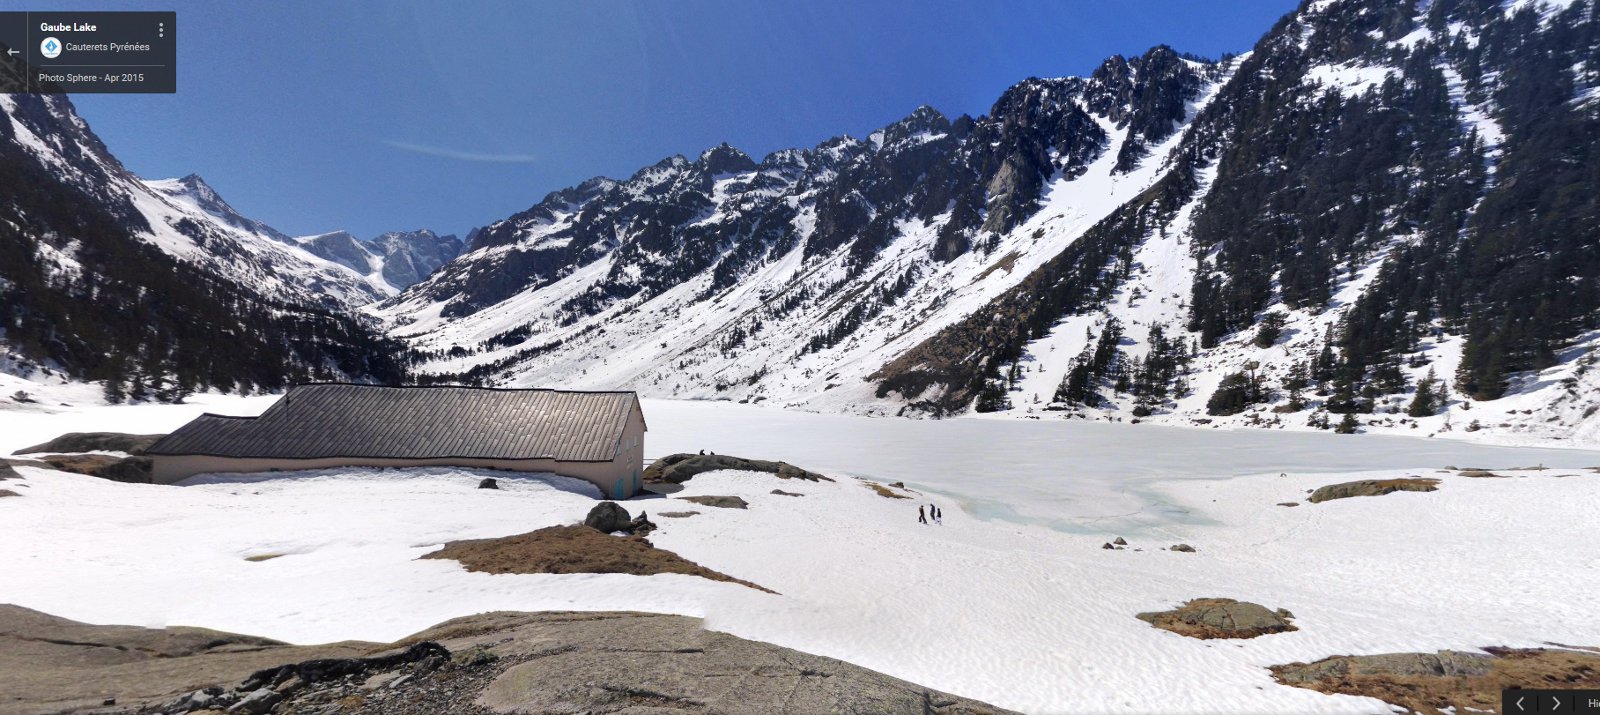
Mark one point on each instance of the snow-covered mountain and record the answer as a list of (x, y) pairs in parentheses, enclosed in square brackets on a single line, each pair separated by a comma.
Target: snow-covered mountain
[(1379, 191), (158, 284), (391, 261)]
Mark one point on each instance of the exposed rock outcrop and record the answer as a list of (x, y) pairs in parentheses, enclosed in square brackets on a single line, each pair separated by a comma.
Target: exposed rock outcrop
[(1372, 488), (1220, 618), (725, 502), (680, 468), (1447, 681), (134, 470), (134, 444), (492, 662)]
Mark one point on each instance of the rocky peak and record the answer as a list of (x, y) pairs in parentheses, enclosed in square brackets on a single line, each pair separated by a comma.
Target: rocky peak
[(922, 120), (724, 159)]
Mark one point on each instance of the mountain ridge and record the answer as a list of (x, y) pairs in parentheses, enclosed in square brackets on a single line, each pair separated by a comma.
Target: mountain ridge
[(1408, 96)]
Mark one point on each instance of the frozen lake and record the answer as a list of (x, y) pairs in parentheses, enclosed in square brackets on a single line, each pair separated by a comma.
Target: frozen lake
[(1070, 475), (1075, 476)]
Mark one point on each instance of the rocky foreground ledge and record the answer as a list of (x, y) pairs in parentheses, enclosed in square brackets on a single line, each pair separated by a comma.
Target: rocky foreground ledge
[(558, 662)]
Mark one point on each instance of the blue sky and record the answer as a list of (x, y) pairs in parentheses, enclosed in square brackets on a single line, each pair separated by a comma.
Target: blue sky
[(314, 116)]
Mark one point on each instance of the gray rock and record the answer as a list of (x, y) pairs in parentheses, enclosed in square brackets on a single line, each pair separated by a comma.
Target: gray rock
[(1119, 541), (679, 468), (1288, 503), (95, 442), (677, 514), (1183, 547), (555, 662), (607, 517), (1107, 545), (783, 493), (258, 702), (726, 502), (606, 663), (1371, 488), (488, 483)]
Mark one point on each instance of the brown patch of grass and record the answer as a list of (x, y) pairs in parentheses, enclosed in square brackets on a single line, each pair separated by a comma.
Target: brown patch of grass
[(1432, 693), (257, 558), (883, 491), (574, 549)]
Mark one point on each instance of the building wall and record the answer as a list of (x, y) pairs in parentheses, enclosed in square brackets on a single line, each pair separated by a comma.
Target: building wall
[(168, 469)]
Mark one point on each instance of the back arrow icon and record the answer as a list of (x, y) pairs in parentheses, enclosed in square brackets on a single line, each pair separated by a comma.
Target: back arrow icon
[(1519, 703), (12, 52)]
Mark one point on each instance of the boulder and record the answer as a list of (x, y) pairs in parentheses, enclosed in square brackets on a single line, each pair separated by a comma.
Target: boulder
[(1119, 541), (725, 502), (680, 468), (783, 493), (1107, 545), (1288, 503), (608, 517), (1372, 488), (1220, 618), (1183, 547), (95, 442), (488, 483)]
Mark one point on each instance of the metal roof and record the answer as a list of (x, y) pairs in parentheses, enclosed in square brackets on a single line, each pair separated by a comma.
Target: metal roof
[(340, 420)]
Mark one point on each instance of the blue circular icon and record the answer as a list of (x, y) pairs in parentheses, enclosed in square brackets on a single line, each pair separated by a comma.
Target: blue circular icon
[(50, 48)]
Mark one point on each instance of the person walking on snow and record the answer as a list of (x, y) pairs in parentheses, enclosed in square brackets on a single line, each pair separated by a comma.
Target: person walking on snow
[(938, 516), (922, 517)]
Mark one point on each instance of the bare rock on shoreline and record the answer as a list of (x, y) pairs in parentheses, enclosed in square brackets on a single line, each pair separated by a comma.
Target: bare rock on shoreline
[(1373, 488), (680, 468)]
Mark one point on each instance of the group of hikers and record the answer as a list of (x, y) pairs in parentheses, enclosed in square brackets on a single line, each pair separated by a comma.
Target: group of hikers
[(931, 511)]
